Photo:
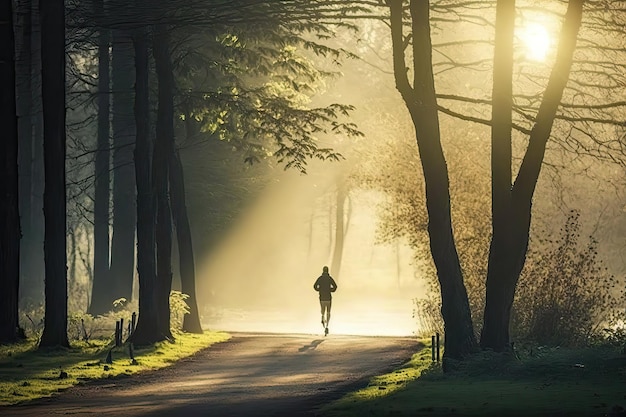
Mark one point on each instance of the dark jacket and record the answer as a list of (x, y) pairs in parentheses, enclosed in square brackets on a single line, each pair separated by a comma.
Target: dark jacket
[(325, 284)]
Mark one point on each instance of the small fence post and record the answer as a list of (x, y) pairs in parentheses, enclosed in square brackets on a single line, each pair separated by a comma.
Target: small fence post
[(133, 322), (82, 326), (437, 346), (117, 333), (432, 344)]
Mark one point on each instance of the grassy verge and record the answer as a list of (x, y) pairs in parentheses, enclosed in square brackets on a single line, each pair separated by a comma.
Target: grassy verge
[(552, 382), (26, 373)]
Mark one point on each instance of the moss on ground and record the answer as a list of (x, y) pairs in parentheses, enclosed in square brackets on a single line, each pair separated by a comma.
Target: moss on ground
[(27, 373)]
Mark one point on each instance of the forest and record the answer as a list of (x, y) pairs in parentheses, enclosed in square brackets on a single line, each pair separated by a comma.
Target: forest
[(458, 166)]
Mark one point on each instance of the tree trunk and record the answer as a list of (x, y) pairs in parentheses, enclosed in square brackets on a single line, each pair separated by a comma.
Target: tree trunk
[(53, 96), (123, 125), (421, 102), (100, 302), (25, 126), (340, 229), (191, 321), (147, 331), (24, 104), (499, 291), (31, 159), (163, 149), (9, 204), (512, 205)]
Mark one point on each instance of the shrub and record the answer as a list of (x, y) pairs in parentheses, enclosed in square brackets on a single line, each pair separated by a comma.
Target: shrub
[(565, 293), (178, 309), (565, 296)]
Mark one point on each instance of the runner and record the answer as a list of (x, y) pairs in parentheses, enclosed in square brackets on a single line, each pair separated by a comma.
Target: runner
[(325, 285)]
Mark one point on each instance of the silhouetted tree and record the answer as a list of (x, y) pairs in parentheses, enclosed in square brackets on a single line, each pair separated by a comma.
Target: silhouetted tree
[(422, 105), (53, 93), (511, 203), (147, 330), (101, 286), (30, 152), (123, 129), (9, 204), (340, 228), (245, 110), (191, 321), (163, 149)]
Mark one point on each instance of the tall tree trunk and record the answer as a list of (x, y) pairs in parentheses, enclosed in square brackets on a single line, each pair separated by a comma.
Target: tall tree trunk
[(191, 321), (163, 149), (123, 125), (498, 288), (421, 102), (9, 204), (340, 229), (25, 126), (36, 255), (53, 96), (100, 302), (31, 157), (147, 330), (512, 207)]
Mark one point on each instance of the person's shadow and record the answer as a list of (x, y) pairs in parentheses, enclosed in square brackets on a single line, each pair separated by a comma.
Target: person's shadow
[(311, 346)]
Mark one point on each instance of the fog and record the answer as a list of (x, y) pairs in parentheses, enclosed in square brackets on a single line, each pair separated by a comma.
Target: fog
[(260, 278)]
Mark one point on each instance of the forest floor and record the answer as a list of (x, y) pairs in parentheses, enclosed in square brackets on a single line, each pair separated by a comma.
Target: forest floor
[(248, 375)]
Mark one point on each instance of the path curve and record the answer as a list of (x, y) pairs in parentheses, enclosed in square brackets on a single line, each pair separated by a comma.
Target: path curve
[(249, 375)]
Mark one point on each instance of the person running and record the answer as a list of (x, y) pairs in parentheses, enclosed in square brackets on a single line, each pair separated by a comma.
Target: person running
[(325, 285)]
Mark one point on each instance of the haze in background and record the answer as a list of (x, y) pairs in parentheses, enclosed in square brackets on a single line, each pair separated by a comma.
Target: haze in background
[(261, 277)]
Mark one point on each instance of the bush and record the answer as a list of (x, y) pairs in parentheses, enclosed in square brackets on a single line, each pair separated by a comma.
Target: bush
[(565, 293), (178, 309), (565, 296)]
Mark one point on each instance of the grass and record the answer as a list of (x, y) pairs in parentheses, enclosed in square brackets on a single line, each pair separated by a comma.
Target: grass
[(27, 373), (551, 382)]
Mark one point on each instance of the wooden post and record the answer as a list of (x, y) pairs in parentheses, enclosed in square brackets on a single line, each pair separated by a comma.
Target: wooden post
[(133, 322), (117, 333), (432, 344), (82, 325), (437, 346)]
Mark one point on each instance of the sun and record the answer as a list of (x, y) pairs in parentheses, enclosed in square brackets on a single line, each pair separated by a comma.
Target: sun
[(536, 41)]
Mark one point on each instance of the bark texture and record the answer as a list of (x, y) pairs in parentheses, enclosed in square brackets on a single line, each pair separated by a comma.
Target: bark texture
[(53, 96), (421, 102)]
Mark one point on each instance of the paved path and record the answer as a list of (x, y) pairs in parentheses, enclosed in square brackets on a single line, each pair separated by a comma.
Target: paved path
[(250, 375)]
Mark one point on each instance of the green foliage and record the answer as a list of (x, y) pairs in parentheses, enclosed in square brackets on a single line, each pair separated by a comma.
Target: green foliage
[(427, 315), (178, 309), (565, 294), (31, 320), (251, 85), (82, 326)]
